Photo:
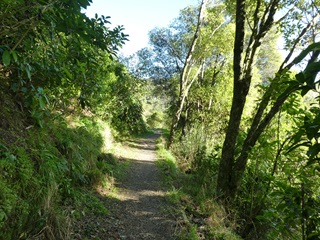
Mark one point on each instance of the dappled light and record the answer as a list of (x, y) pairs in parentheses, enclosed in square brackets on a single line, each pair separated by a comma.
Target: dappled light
[(140, 199), (210, 130)]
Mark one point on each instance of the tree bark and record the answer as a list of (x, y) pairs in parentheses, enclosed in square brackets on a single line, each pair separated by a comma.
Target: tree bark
[(230, 168), (259, 125), (185, 81), (240, 91)]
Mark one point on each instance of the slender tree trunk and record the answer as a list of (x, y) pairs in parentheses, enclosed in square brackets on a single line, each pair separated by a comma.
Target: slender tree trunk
[(185, 81), (259, 125), (237, 166), (240, 91), (231, 169)]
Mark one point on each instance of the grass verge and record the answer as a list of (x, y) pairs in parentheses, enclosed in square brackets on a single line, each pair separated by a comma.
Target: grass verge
[(47, 173), (198, 215)]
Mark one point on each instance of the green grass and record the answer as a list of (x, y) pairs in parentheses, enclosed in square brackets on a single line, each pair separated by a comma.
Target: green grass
[(165, 133), (166, 163), (86, 201), (191, 203), (45, 171)]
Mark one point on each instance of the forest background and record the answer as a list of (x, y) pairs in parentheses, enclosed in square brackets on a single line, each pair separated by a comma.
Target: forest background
[(243, 121)]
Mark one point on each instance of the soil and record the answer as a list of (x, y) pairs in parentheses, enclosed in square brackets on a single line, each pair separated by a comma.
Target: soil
[(139, 209)]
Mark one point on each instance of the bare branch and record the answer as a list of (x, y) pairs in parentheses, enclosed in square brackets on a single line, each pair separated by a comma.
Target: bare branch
[(296, 42), (196, 36), (285, 15)]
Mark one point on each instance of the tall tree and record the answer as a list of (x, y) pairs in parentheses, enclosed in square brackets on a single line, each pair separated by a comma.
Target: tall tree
[(200, 56), (260, 16), (186, 78)]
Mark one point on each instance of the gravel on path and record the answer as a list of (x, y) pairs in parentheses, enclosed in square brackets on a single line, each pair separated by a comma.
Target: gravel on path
[(140, 212)]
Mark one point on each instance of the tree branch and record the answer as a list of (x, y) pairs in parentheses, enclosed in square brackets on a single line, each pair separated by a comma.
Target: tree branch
[(296, 42), (239, 40), (256, 130)]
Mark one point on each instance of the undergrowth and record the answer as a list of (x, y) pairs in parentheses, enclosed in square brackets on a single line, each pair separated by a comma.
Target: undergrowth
[(199, 215), (47, 173)]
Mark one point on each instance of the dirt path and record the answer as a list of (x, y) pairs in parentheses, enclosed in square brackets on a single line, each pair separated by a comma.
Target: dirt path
[(140, 213)]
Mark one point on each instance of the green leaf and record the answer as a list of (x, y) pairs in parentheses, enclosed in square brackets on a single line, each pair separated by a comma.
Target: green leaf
[(300, 77), (27, 69), (3, 216), (24, 90), (67, 72), (6, 58), (304, 53), (40, 90), (311, 73), (14, 55), (313, 151), (42, 101)]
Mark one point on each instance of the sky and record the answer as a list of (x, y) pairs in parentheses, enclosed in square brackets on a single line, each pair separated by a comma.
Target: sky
[(138, 17)]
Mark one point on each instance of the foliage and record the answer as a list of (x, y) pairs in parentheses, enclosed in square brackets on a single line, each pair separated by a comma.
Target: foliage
[(59, 79), (198, 215), (43, 170), (256, 150), (56, 62), (163, 63), (269, 159), (126, 109), (56, 66), (155, 120)]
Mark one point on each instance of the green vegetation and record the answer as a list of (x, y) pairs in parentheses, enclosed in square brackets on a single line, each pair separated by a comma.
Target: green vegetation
[(244, 120), (241, 153), (63, 98), (198, 215), (42, 171)]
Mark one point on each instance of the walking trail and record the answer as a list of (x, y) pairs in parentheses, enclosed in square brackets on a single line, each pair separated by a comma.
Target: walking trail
[(138, 210)]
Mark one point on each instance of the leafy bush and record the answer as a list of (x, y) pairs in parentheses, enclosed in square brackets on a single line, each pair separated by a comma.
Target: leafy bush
[(128, 117), (44, 170), (155, 120), (191, 192)]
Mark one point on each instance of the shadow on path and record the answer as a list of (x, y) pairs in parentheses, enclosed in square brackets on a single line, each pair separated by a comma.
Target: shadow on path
[(139, 212)]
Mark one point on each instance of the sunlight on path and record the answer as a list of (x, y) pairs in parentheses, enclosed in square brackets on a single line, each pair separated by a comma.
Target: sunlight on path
[(140, 211)]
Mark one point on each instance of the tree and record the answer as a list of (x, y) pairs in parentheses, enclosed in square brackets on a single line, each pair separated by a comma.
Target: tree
[(165, 61), (53, 45), (260, 16), (186, 79), (55, 62), (206, 51)]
